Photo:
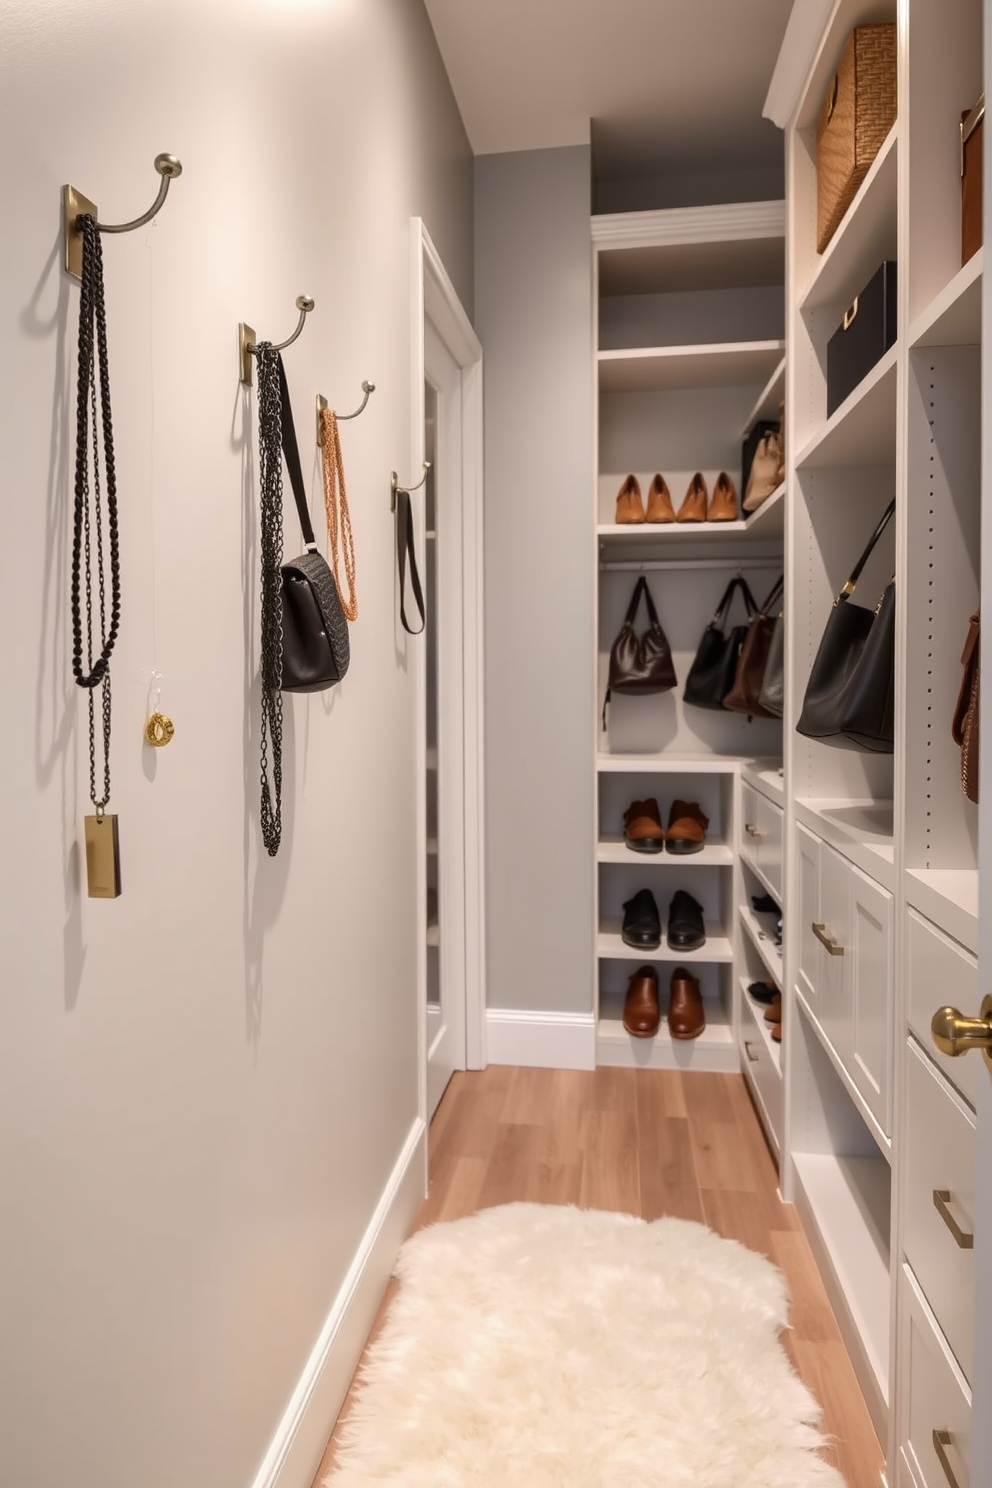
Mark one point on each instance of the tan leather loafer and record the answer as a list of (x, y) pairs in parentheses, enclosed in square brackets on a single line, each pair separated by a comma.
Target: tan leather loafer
[(693, 508), (642, 829), (686, 828), (641, 1009), (686, 1018), (723, 503), (630, 507), (777, 1032), (660, 508), (773, 1013)]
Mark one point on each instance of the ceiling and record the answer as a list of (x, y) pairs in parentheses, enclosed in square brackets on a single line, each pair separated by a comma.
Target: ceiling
[(659, 87)]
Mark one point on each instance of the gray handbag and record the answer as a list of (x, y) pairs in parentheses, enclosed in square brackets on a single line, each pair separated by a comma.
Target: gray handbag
[(773, 684)]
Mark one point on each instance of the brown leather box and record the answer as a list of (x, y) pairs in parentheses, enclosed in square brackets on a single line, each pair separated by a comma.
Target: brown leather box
[(972, 129), (857, 114)]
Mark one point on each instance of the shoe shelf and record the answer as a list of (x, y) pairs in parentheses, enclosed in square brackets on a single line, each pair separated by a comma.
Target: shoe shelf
[(882, 1142), (844, 1203), (610, 947), (954, 318), (861, 830), (865, 238), (766, 776), (671, 368), (760, 931), (949, 898), (714, 1050), (759, 873), (678, 537), (667, 764), (862, 431), (753, 1013), (766, 406), (612, 848), (769, 519)]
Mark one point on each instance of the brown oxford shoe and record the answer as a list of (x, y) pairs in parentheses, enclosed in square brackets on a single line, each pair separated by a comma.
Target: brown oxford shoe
[(660, 508), (642, 829), (693, 508), (641, 1009), (630, 507), (686, 828), (773, 1012), (723, 503), (686, 1019)]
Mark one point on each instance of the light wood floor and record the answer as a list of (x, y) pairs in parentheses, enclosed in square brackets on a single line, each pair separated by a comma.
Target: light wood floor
[(649, 1143)]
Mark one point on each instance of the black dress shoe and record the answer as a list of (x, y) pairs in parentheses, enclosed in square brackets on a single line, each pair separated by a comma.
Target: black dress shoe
[(641, 922), (686, 931), (763, 992)]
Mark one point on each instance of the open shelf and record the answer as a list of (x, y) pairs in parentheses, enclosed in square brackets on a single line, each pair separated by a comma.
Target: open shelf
[(766, 776), (948, 897), (848, 1201), (862, 431), (713, 1050), (611, 848), (862, 830), (865, 238), (667, 764), (878, 1136), (665, 368), (771, 395), (756, 1012), (609, 947), (677, 535), (955, 316), (752, 867), (769, 519), (760, 931)]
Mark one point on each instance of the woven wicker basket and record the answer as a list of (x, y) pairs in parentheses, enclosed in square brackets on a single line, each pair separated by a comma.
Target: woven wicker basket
[(857, 114)]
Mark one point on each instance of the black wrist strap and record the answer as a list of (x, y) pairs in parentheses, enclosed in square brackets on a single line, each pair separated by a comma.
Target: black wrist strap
[(856, 571), (641, 588), (405, 546), (291, 451)]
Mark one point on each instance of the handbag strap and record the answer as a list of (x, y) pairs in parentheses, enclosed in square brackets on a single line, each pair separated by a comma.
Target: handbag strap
[(641, 588), (405, 545), (723, 608), (336, 510), (774, 596), (856, 571), (291, 451)]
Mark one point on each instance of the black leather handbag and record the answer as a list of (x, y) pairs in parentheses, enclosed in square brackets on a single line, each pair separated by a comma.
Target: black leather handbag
[(315, 646), (640, 664), (711, 676), (850, 695)]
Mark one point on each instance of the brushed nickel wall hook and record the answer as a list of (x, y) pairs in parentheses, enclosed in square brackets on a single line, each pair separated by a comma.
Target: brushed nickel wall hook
[(247, 342), (368, 388), (394, 484), (75, 205)]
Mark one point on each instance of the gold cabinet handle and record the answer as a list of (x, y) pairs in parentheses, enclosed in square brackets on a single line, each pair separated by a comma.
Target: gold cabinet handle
[(941, 1199), (954, 1034), (752, 1058), (831, 946), (850, 315), (752, 830), (942, 1440)]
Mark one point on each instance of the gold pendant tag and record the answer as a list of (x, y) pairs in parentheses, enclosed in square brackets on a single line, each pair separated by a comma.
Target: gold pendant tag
[(103, 857)]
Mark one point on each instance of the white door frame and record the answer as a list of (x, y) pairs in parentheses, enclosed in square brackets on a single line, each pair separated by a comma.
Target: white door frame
[(434, 299)]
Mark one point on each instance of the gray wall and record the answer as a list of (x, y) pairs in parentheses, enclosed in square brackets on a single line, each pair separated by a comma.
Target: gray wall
[(533, 300)]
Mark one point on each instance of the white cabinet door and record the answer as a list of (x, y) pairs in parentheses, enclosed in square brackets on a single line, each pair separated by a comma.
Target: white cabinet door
[(811, 952), (869, 963), (834, 932)]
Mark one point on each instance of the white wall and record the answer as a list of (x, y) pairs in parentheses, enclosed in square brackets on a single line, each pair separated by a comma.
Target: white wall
[(534, 318), (205, 1085)]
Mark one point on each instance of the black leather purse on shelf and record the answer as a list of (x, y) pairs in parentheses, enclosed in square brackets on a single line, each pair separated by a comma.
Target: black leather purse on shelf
[(640, 664), (711, 676), (850, 695)]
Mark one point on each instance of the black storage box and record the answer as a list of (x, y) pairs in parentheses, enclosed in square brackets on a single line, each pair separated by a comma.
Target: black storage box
[(865, 335), (750, 448)]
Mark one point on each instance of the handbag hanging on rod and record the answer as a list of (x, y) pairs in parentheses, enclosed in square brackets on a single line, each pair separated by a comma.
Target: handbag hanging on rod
[(712, 673), (745, 695), (772, 695), (850, 695), (640, 665), (964, 726)]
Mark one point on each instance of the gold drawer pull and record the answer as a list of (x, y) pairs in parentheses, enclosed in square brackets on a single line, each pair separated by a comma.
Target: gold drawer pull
[(831, 946), (941, 1199), (752, 1058), (752, 830), (942, 1439), (851, 315)]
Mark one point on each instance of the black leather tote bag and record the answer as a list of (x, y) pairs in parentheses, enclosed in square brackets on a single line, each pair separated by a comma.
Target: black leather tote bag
[(640, 664), (711, 676), (850, 695)]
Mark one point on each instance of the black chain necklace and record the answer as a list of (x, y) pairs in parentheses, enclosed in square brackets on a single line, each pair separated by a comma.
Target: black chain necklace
[(88, 532), (269, 363)]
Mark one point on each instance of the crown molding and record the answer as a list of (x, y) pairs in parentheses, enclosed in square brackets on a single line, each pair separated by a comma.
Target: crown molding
[(807, 25), (689, 225)]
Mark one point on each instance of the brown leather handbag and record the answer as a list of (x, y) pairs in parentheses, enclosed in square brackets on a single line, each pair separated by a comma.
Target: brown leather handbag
[(745, 695), (640, 664), (964, 727)]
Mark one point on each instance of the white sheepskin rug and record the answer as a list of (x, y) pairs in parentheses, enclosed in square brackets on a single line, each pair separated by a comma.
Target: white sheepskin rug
[(535, 1346)]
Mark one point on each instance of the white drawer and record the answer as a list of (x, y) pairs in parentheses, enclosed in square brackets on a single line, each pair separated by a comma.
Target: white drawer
[(940, 1159), (934, 1399), (942, 972), (761, 835), (759, 1065), (750, 835)]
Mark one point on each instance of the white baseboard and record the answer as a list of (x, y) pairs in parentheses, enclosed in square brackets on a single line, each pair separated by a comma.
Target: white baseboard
[(541, 1040), (298, 1445)]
